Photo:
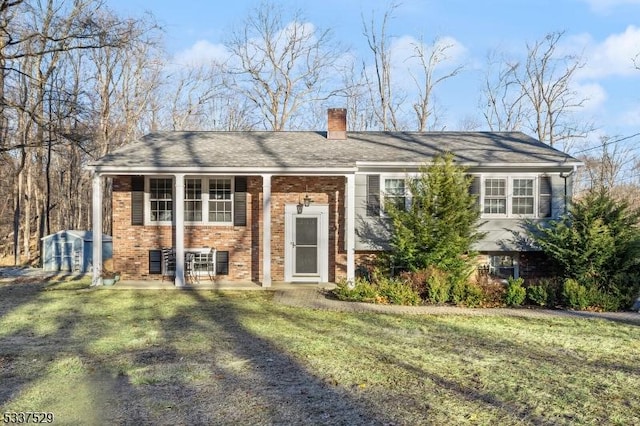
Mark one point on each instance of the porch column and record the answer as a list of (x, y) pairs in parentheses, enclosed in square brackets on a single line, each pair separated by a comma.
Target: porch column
[(96, 278), (179, 226), (266, 230), (350, 234)]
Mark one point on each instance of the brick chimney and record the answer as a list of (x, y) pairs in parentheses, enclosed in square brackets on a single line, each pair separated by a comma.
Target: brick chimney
[(337, 123)]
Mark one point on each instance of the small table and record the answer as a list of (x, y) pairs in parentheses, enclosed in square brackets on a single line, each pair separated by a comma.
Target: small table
[(199, 260)]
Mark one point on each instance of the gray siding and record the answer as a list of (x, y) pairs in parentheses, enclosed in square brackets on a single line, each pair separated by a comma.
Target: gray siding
[(503, 234), (371, 232)]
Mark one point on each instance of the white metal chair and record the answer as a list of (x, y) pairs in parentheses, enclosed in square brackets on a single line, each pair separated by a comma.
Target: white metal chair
[(168, 263), (190, 267), (211, 264)]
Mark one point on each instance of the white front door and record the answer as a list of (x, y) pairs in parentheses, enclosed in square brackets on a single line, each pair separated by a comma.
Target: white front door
[(307, 244)]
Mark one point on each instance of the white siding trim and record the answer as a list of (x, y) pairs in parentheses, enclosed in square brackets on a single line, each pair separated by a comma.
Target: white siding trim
[(178, 192), (96, 278), (266, 230)]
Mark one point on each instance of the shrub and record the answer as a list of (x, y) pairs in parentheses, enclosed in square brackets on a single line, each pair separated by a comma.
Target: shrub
[(605, 301), (397, 292), (516, 293), (575, 296), (458, 292), (359, 291), (538, 295), (492, 290), (474, 296), (417, 280), (466, 294), (384, 290), (438, 286)]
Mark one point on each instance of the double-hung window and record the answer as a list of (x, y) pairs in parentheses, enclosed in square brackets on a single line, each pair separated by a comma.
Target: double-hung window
[(495, 196), (192, 200), (523, 200), (395, 192), (161, 199), (220, 201), (516, 196), (206, 200)]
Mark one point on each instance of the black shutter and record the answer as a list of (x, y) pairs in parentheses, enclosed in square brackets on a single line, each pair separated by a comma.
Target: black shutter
[(240, 201), (155, 261), (137, 200), (222, 263), (544, 196), (474, 189), (373, 195)]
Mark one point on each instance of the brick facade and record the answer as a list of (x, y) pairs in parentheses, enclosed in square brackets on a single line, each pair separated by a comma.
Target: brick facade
[(131, 243)]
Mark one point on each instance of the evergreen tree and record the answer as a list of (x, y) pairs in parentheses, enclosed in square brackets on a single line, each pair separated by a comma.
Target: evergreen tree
[(440, 223), (597, 243)]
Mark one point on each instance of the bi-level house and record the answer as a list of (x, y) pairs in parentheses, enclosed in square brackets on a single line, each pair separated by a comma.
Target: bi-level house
[(308, 206)]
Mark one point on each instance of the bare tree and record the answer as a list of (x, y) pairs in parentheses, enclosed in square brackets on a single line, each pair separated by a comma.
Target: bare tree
[(610, 166), (537, 95), (281, 65), (504, 109), (381, 90), (360, 115), (430, 57), (44, 109)]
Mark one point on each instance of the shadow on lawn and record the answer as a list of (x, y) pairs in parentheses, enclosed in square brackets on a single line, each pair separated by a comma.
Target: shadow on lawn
[(204, 365), (239, 378), (552, 368), (254, 382)]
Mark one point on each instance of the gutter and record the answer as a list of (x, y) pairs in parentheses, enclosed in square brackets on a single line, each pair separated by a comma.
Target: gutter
[(236, 171)]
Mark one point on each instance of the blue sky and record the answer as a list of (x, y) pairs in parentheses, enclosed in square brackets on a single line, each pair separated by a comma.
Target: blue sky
[(607, 32)]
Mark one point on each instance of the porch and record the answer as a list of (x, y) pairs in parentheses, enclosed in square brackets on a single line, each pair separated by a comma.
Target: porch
[(270, 236)]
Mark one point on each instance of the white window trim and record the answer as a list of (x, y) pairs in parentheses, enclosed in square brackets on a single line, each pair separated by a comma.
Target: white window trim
[(402, 176), (205, 201), (515, 260), (204, 180), (147, 201), (509, 195)]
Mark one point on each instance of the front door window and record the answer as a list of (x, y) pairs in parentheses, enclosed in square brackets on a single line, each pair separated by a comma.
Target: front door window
[(306, 245)]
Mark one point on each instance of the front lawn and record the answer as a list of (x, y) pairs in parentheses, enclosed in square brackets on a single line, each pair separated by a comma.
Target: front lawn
[(183, 357)]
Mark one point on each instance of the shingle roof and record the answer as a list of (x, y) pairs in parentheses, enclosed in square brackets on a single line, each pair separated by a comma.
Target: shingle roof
[(313, 149)]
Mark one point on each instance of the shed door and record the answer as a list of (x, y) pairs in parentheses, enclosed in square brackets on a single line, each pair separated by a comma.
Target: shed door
[(64, 255)]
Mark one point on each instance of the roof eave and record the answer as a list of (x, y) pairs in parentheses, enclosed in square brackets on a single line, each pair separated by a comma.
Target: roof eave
[(136, 170), (417, 165)]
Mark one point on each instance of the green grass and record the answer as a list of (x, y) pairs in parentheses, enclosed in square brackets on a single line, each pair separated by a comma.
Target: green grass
[(91, 356)]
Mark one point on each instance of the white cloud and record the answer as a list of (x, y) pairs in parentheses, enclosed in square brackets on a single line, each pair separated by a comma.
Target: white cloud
[(613, 57), (594, 94), (201, 53), (630, 117)]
